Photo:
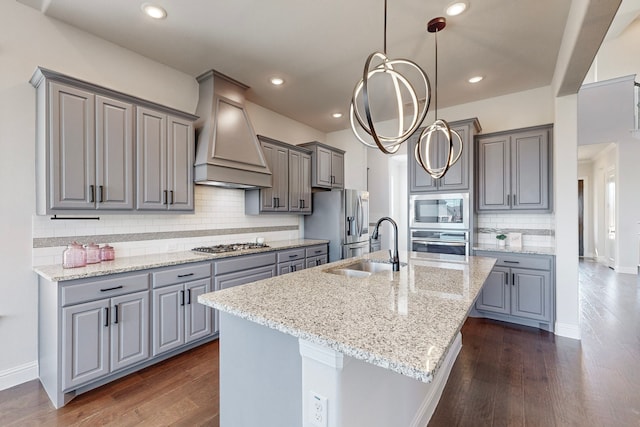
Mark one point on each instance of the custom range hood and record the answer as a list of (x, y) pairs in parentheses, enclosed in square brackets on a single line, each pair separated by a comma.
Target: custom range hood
[(228, 153)]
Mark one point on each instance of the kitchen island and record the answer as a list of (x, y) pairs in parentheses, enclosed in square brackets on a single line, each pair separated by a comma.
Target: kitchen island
[(325, 346)]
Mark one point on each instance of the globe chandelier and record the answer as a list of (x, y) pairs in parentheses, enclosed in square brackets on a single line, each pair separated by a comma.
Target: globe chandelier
[(429, 134), (379, 66)]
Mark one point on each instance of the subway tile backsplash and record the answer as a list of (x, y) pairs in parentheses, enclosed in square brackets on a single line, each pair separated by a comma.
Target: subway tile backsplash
[(219, 218), (537, 229)]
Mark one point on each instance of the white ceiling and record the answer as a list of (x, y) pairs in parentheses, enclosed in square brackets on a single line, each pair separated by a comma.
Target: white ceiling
[(319, 47)]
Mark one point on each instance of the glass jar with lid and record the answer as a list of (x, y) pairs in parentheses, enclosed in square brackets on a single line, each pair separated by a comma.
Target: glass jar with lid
[(107, 253), (93, 253)]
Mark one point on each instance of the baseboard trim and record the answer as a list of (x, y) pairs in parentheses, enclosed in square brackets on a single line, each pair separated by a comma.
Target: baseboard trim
[(18, 375), (627, 270), (568, 330)]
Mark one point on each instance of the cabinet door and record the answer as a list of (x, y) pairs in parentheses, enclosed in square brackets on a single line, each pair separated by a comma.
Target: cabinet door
[(295, 181), (168, 318), (197, 316), (457, 177), (323, 173), (494, 173), (129, 329), (337, 169), (530, 295), (180, 160), (72, 171), (85, 343), (316, 261), (419, 179), (530, 170), (151, 142), (496, 292), (114, 154), (276, 198), (305, 182)]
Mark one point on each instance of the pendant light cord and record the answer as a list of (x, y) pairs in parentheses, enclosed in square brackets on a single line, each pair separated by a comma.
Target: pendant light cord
[(436, 94), (385, 27)]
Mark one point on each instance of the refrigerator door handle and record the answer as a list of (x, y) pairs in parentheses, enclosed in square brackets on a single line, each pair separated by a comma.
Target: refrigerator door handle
[(349, 225), (359, 216)]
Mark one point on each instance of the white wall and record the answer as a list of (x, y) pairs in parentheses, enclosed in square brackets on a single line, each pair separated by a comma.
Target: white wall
[(27, 40)]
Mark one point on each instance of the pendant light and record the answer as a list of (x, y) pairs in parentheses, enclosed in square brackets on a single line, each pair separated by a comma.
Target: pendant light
[(429, 134), (378, 65)]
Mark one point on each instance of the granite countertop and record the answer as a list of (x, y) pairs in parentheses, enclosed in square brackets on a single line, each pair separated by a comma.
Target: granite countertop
[(533, 250), (55, 273), (404, 321)]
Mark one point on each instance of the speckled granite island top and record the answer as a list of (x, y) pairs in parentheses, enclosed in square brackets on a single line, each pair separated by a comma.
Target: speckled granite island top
[(403, 321), (55, 273)]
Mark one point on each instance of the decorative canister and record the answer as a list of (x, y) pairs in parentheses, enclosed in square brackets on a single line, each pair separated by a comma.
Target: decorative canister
[(93, 253), (107, 253), (74, 256)]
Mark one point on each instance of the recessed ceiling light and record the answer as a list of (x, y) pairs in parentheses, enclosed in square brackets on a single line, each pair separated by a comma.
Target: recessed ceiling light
[(475, 79), (276, 81), (336, 115), (456, 8), (156, 12)]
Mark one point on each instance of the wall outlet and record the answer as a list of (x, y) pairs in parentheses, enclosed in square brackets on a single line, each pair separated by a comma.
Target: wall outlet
[(318, 412)]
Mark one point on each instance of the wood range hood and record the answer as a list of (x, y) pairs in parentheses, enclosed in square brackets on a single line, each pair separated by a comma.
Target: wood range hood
[(228, 153)]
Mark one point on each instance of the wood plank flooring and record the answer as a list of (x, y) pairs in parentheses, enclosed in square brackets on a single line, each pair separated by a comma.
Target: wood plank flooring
[(505, 375)]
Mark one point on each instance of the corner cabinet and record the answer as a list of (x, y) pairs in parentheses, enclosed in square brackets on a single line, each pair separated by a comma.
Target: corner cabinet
[(457, 177), (290, 180), (519, 289), (514, 170), (327, 165), (87, 139)]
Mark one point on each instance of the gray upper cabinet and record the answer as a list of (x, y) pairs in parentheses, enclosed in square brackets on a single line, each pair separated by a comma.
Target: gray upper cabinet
[(327, 165), (290, 189), (514, 171), (457, 177), (165, 161), (299, 181), (87, 137), (276, 198)]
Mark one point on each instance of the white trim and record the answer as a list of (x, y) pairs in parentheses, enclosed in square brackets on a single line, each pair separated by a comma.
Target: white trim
[(17, 375), (626, 270), (430, 402), (567, 330), (321, 354)]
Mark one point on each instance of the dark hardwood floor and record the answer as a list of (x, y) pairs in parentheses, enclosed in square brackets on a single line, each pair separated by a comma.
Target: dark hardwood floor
[(506, 375)]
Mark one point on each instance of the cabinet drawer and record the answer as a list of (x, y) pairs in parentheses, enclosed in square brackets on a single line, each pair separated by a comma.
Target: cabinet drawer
[(244, 262), (535, 262), (182, 274), (97, 289), (316, 250), (291, 255)]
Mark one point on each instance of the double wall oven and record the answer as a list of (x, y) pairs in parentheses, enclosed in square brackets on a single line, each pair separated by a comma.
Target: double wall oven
[(439, 223)]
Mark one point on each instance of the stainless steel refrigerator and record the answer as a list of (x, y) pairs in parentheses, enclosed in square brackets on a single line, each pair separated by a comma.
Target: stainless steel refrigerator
[(342, 217)]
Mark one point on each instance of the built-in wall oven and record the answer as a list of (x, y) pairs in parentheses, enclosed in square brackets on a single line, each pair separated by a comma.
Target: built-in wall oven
[(440, 241), (450, 211)]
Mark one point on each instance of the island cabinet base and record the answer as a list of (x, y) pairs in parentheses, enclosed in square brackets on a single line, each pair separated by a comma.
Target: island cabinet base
[(273, 379)]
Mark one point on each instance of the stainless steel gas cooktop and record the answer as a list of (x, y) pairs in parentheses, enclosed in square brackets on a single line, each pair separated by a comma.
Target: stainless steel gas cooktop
[(230, 247)]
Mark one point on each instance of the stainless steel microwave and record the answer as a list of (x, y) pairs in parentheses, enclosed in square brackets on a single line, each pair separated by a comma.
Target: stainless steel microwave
[(449, 210)]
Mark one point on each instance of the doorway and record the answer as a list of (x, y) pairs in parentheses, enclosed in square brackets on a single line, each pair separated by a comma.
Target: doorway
[(581, 218)]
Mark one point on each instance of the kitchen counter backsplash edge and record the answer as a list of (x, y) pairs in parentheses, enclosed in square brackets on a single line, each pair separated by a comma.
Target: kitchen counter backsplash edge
[(532, 250), (55, 273)]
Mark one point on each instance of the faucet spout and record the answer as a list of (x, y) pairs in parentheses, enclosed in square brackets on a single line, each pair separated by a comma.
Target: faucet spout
[(395, 258)]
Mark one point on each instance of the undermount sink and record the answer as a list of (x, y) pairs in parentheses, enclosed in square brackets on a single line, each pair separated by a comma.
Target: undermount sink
[(362, 268)]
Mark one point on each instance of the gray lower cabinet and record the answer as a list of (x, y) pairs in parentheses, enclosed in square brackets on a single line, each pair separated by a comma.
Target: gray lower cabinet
[(87, 140), (327, 165), (178, 318), (165, 150), (457, 177), (316, 255), (520, 289), (514, 170), (291, 260)]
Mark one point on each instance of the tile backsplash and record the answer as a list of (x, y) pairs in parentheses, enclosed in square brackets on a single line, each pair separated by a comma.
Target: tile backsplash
[(537, 229), (219, 218)]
